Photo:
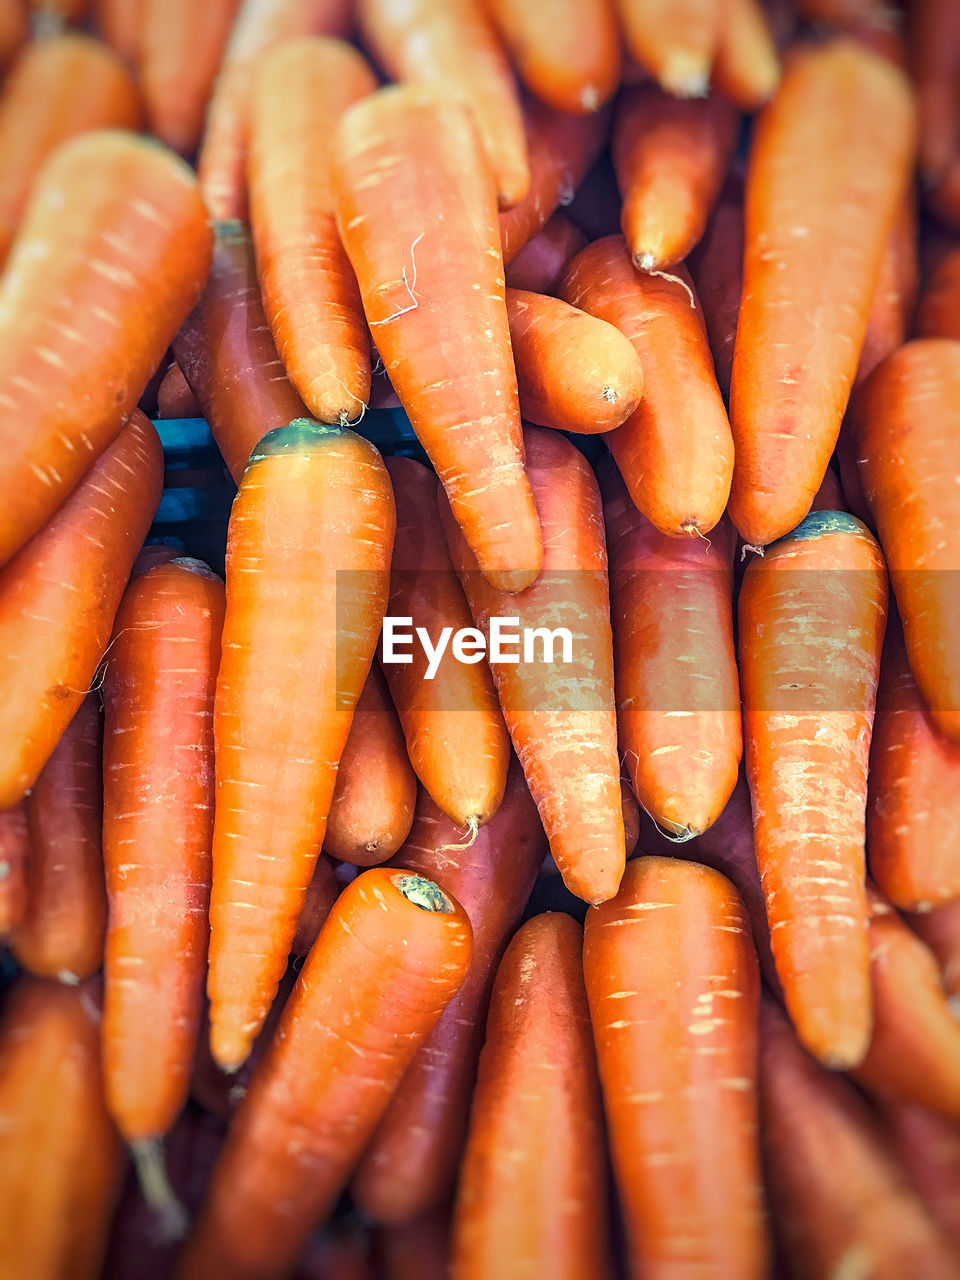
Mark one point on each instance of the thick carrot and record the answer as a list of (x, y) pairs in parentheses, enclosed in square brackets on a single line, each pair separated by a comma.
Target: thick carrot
[(541, 262), (531, 1198), (322, 893), (838, 135), (60, 1160), (928, 1146), (411, 182), (746, 69), (310, 293), (227, 353), (308, 555), (111, 254), (58, 598), (674, 40), (61, 935), (560, 710), (806, 728), (934, 37), (14, 856), (373, 801), (673, 1002), (119, 23), (938, 315), (390, 957), (678, 696), (940, 930), (716, 265), (410, 1164), (456, 739), (574, 371), (174, 397), (675, 452)]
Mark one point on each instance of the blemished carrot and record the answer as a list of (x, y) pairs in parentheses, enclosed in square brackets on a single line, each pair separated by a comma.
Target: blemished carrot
[(940, 930), (308, 557), (674, 40), (567, 52), (574, 371), (119, 23), (322, 893), (14, 30), (259, 25), (111, 254), (174, 397), (671, 157), (227, 353), (673, 1002), (310, 293), (675, 452), (388, 960), (806, 729), (180, 47), (417, 1250), (410, 181), (560, 709), (60, 88), (376, 792), (14, 856), (938, 315), (928, 1146), (716, 265), (836, 1189), (908, 451), (934, 39), (839, 134), (678, 696), (895, 295), (456, 739), (61, 934), (410, 1164), (450, 48), (746, 68), (541, 262), (531, 1197), (58, 598)]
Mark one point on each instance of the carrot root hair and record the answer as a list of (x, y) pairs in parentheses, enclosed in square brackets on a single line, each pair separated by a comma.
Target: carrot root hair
[(155, 1186), (473, 826), (645, 262), (749, 546)]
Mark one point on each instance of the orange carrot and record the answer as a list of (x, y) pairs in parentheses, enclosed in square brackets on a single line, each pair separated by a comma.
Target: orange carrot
[(410, 181), (716, 265), (675, 452), (390, 957), (174, 397), (895, 295), (541, 262), (14, 856), (308, 554), (940, 930), (675, 40), (938, 315), (322, 893), (928, 1146), (746, 69), (119, 23), (934, 32), (58, 598), (807, 729)]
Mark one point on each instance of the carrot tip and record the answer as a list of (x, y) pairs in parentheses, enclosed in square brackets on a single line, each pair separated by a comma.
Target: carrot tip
[(750, 546), (157, 1192), (423, 893)]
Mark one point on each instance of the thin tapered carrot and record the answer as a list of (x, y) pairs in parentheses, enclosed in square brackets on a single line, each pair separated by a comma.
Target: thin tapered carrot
[(938, 315), (675, 452), (14, 856), (322, 893), (119, 23), (14, 30), (58, 598), (61, 935), (746, 68), (541, 262), (716, 265), (308, 556), (227, 353), (934, 39), (672, 981), (456, 739), (839, 134), (410, 1164), (410, 182), (531, 1198), (389, 958), (671, 158), (940, 930), (806, 728), (174, 397), (895, 295), (674, 40), (928, 1147), (373, 801), (111, 254)]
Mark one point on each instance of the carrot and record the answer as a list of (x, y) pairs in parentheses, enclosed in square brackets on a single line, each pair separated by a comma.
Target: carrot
[(410, 1163), (259, 25), (934, 38), (376, 791), (228, 357), (940, 930), (417, 1250), (308, 552), (541, 262), (14, 30), (119, 23), (671, 157), (450, 48), (716, 265), (531, 1198), (310, 294), (938, 315), (174, 397), (907, 450), (561, 710), (154, 553), (391, 955), (674, 1005), (404, 164), (829, 496), (58, 598), (456, 739), (574, 371), (14, 856), (567, 52), (322, 893), (895, 295), (675, 452), (838, 135), (747, 68), (82, 328), (806, 730), (928, 1146), (60, 1161), (674, 40), (678, 697), (61, 934)]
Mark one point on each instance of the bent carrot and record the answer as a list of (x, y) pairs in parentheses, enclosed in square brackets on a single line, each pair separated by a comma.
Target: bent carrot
[(938, 315), (928, 1146), (322, 893), (14, 856), (940, 930), (174, 397), (746, 68), (541, 262), (674, 40), (716, 265)]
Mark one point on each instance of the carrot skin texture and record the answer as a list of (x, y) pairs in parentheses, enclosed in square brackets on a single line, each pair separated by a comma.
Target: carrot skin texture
[(938, 315), (940, 930), (52, 640), (928, 1146), (540, 264), (14, 856), (747, 68), (839, 134), (895, 295), (716, 265), (374, 985), (671, 974), (531, 1199), (674, 40), (322, 893)]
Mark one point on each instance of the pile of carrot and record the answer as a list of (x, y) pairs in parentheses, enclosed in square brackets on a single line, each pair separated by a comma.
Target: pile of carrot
[(530, 851)]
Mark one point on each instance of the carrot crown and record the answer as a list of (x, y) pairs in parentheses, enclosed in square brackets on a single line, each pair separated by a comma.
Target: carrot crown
[(299, 435), (423, 893), (818, 523)]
